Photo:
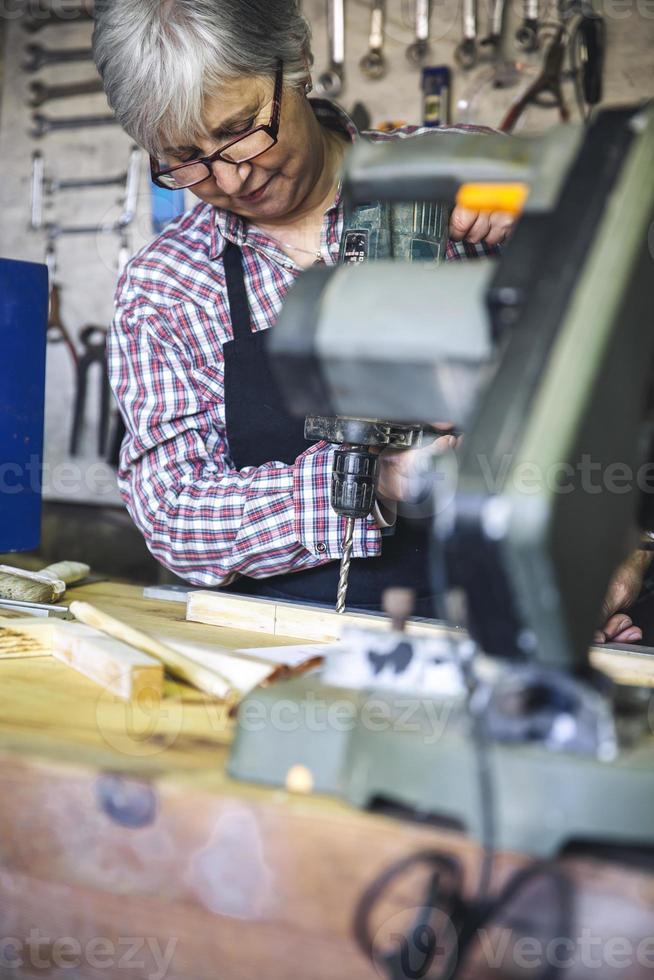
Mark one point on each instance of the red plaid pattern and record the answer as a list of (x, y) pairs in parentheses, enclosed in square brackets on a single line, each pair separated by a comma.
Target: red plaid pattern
[(200, 517)]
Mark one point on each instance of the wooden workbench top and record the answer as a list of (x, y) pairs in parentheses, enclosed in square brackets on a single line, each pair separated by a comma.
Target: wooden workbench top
[(119, 821)]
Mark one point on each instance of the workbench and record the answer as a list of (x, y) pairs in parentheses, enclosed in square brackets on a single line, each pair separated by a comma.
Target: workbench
[(120, 830)]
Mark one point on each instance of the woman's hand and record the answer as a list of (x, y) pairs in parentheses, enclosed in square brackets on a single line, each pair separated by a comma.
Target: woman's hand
[(623, 591), (475, 227), (398, 468)]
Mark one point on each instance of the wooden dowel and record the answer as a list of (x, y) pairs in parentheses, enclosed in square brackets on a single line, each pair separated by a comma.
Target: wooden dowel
[(206, 679)]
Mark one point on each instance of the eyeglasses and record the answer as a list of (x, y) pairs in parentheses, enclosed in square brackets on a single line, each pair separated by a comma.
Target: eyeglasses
[(243, 148)]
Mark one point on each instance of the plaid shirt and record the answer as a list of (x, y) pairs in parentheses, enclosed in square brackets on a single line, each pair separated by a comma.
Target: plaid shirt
[(201, 517)]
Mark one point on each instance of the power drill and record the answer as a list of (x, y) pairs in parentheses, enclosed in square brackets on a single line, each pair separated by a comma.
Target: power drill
[(356, 468)]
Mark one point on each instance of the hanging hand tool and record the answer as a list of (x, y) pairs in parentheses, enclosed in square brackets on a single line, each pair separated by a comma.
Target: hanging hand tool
[(44, 125), (373, 63), (94, 343), (494, 39), (331, 81), (39, 57), (527, 34), (466, 53), (546, 91), (355, 471), (43, 185), (41, 93), (57, 17), (418, 51), (587, 54), (57, 331)]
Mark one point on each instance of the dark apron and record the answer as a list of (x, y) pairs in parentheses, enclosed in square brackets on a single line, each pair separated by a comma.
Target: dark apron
[(259, 429)]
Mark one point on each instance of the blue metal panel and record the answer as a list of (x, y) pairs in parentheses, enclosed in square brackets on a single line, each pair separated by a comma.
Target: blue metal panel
[(23, 330), (166, 206)]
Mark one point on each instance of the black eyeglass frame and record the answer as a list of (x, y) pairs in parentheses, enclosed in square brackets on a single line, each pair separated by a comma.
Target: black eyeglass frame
[(271, 129)]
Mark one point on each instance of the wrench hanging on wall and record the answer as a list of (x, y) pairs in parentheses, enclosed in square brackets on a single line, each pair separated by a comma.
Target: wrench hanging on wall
[(41, 93), (494, 38), (52, 18), (418, 51), (44, 124), (331, 81), (466, 53), (44, 187), (39, 57), (527, 34), (373, 63)]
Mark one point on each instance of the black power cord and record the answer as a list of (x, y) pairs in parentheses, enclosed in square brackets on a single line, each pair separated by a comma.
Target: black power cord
[(415, 954)]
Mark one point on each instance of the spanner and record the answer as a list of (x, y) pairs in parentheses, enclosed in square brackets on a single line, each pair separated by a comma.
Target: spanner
[(43, 186), (373, 63), (466, 53), (44, 124), (39, 57), (418, 51), (41, 93), (51, 18), (527, 35), (331, 81), (494, 39)]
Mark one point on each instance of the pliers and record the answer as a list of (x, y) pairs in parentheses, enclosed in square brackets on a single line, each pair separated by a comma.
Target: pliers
[(546, 91)]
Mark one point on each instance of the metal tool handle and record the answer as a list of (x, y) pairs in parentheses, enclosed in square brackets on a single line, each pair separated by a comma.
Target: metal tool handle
[(131, 188), (466, 53), (41, 93), (38, 56), (44, 124), (373, 63), (419, 50), (497, 25), (527, 34), (38, 190), (330, 82), (124, 253)]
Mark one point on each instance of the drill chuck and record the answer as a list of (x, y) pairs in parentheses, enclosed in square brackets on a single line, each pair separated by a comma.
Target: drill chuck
[(354, 479)]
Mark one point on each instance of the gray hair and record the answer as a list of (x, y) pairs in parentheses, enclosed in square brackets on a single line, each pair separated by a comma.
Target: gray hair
[(160, 59)]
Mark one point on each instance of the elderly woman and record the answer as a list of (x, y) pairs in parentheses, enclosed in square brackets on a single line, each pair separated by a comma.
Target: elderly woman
[(213, 470)]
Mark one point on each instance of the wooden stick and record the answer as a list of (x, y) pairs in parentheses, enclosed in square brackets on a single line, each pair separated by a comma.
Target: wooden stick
[(113, 665), (206, 679)]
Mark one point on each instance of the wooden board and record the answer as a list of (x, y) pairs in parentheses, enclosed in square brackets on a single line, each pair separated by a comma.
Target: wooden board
[(291, 620), (25, 636), (625, 664), (118, 668)]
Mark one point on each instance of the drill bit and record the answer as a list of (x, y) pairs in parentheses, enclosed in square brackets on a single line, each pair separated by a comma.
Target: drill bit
[(346, 560)]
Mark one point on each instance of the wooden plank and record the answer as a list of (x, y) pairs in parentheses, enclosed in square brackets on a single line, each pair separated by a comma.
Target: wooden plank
[(25, 636), (292, 620), (628, 665), (115, 666)]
